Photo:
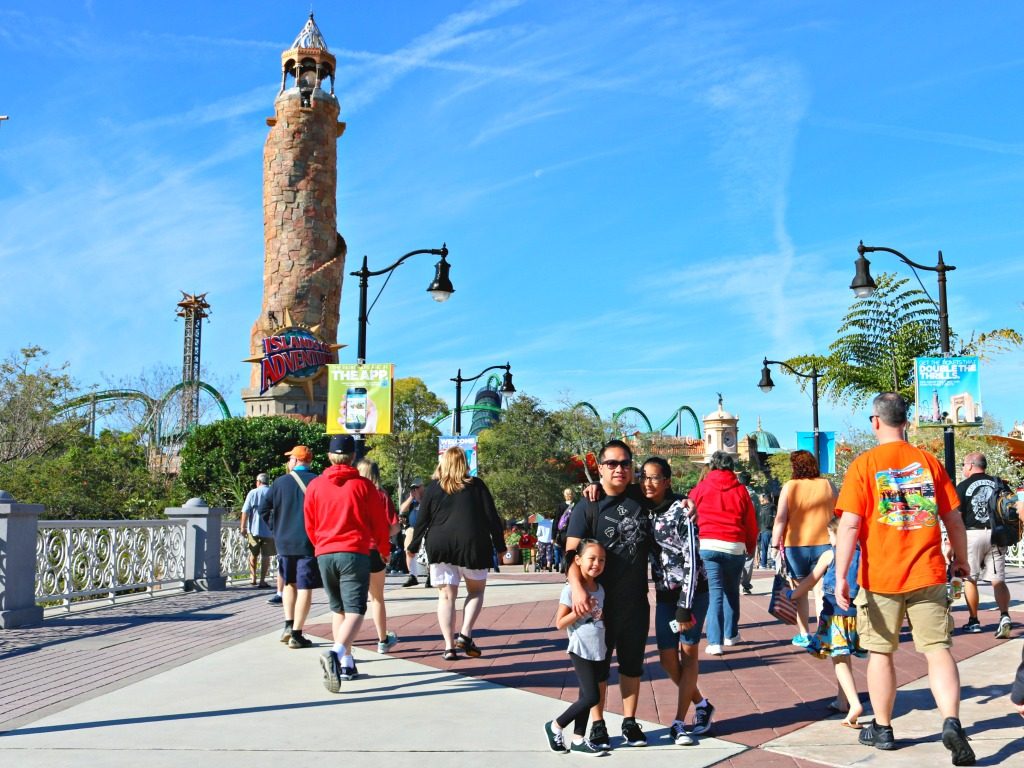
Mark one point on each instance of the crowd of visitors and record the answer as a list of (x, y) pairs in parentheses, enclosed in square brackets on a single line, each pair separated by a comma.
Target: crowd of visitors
[(879, 551)]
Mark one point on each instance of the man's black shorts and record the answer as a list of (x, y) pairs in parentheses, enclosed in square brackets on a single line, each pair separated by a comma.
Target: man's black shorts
[(626, 623)]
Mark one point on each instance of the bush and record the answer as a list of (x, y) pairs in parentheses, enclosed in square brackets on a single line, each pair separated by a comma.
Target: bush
[(220, 461)]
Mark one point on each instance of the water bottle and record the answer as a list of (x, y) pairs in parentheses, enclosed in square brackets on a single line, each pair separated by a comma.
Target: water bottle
[(955, 589)]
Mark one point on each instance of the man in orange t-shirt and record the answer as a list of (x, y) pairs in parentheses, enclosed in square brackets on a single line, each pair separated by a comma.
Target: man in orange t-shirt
[(892, 499)]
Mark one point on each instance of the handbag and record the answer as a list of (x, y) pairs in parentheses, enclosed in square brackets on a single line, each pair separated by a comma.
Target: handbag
[(781, 607)]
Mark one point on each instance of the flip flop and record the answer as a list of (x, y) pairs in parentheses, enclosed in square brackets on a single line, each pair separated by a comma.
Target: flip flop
[(846, 723)]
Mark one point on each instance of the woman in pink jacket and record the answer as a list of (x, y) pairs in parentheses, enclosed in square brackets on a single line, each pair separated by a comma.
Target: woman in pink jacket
[(727, 525)]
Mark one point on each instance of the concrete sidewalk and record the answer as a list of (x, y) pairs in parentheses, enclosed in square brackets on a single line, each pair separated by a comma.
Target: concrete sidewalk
[(253, 702)]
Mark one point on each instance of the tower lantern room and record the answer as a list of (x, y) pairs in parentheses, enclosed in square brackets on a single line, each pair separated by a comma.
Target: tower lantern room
[(308, 63)]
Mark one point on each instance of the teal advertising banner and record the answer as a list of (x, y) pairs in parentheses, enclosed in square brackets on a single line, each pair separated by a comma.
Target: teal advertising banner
[(826, 449), (948, 391), (466, 442)]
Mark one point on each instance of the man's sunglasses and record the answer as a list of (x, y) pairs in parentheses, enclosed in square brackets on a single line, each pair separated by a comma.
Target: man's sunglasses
[(612, 463)]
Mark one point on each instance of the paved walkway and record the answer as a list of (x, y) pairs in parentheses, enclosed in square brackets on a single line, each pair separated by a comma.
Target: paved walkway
[(190, 679)]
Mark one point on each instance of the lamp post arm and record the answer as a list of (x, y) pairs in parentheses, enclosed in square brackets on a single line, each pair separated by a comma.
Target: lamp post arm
[(941, 267), (813, 376), (366, 272)]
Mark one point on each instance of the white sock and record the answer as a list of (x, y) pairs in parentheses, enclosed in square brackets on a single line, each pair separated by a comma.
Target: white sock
[(339, 649), (347, 660), (703, 702), (577, 739), (555, 727)]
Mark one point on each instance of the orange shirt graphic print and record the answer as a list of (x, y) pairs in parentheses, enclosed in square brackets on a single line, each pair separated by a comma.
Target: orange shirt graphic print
[(906, 498)]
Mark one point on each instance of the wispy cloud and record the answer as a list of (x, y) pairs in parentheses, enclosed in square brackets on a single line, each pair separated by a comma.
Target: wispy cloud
[(932, 137)]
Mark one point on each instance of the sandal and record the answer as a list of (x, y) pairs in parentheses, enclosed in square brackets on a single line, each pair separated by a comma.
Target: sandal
[(467, 645), (450, 655)]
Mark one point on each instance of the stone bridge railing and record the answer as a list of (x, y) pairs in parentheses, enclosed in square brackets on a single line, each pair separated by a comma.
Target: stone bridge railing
[(49, 564)]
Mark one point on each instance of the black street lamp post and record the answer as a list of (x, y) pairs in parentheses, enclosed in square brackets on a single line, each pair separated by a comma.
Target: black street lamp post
[(863, 286), (440, 288), (506, 389), (766, 384)]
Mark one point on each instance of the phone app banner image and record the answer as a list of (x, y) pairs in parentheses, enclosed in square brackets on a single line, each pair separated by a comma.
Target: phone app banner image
[(466, 442), (360, 398), (948, 391)]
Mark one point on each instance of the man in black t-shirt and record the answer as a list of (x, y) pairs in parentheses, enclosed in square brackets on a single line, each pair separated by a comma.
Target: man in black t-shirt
[(975, 491), (621, 524)]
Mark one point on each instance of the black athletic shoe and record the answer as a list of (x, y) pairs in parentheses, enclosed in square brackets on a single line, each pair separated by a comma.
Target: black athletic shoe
[(555, 742), (588, 749), (299, 640), (633, 733), (702, 719), (599, 735), (878, 736), (412, 581), (332, 671), (349, 673), (973, 625), (955, 740)]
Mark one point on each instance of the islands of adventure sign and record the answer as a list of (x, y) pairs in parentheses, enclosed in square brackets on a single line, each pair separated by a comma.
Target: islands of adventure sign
[(293, 354)]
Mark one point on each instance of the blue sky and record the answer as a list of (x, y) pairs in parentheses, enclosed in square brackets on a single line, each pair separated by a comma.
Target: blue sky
[(641, 200)]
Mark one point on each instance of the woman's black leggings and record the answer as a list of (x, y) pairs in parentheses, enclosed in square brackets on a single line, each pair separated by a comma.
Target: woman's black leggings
[(587, 673)]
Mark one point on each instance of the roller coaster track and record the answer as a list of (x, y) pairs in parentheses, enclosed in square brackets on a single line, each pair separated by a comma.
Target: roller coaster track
[(154, 408), (676, 417)]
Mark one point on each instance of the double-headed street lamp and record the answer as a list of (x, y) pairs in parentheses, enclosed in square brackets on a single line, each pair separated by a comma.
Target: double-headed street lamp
[(863, 286), (506, 389), (440, 289), (766, 384)]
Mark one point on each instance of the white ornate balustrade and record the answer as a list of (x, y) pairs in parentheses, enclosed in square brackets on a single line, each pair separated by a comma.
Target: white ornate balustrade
[(234, 553), (89, 559)]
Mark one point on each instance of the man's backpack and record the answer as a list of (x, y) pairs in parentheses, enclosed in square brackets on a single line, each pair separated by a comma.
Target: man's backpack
[(1007, 528)]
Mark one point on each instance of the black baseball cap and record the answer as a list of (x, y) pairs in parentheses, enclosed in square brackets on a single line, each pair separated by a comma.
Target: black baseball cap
[(342, 444)]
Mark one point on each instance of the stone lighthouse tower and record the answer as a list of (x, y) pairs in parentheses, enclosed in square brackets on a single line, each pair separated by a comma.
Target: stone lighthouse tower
[(296, 332)]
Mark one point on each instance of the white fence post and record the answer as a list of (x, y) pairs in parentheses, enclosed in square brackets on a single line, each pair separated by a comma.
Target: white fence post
[(18, 523), (202, 544)]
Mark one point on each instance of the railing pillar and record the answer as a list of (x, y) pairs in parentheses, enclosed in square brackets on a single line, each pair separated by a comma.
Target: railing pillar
[(18, 530), (202, 544)]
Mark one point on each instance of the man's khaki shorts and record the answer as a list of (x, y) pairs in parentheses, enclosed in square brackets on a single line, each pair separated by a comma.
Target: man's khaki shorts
[(880, 616), (408, 536), (986, 562)]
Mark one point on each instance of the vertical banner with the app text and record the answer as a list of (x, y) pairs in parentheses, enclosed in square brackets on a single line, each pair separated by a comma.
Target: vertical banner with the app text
[(466, 442), (360, 398)]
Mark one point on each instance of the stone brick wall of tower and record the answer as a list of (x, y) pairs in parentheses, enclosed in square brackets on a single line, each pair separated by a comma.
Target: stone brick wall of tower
[(304, 257)]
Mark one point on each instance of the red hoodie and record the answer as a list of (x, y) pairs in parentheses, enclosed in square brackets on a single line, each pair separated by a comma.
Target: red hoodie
[(724, 509), (345, 513)]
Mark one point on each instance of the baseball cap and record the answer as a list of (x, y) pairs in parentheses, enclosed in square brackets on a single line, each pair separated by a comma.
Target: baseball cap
[(300, 453), (416, 483), (342, 444)]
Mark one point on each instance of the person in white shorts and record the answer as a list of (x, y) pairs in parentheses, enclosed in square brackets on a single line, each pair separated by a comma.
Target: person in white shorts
[(462, 528)]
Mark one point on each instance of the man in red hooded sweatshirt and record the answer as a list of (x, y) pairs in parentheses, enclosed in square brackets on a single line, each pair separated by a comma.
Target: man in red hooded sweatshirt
[(344, 516)]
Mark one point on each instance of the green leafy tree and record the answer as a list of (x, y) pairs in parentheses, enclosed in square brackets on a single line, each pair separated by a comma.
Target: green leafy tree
[(30, 390), (411, 449), (880, 336), (876, 345), (519, 460), (220, 461), (104, 478)]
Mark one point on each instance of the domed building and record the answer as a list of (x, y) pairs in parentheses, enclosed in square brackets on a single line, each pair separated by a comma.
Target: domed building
[(765, 442)]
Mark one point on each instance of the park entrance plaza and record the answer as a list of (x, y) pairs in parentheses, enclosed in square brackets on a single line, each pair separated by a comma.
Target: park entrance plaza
[(197, 678)]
